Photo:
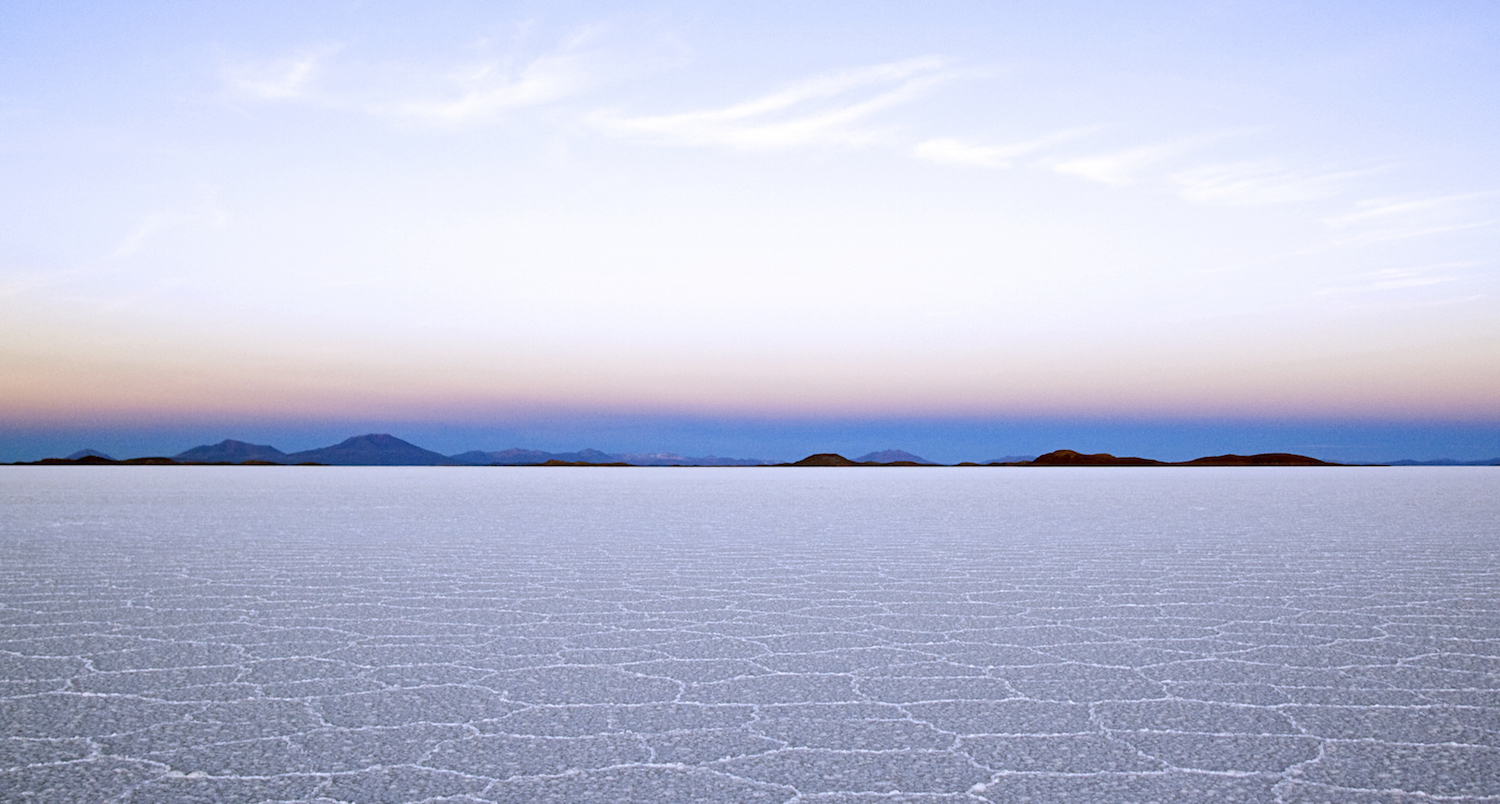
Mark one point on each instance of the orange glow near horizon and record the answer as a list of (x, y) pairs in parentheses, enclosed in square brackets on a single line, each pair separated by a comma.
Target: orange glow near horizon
[(153, 378)]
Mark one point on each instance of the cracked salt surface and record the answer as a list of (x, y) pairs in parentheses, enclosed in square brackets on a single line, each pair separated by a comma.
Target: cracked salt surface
[(236, 634)]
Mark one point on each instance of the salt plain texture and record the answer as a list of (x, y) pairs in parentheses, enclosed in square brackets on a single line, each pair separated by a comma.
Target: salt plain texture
[(239, 634)]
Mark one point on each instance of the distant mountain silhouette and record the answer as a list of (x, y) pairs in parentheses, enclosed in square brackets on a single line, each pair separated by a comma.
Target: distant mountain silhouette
[(535, 457), (823, 459), (387, 450), (673, 459), (1067, 457), (520, 457), (231, 451), (835, 459), (373, 450), (97, 460), (1263, 459), (892, 456), (482, 458), (532, 457)]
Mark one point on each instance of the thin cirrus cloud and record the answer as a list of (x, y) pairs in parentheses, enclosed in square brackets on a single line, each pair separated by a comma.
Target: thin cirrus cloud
[(157, 224), (950, 151), (1396, 279), (1376, 220), (1241, 183), (282, 79), (1120, 168), (1377, 211), (449, 95), (1259, 183), (487, 91), (830, 109)]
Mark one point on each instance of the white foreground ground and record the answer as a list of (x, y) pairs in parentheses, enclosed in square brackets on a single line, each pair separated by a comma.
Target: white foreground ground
[(249, 634)]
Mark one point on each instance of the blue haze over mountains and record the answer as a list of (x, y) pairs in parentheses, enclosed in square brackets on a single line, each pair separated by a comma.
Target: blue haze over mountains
[(387, 450), (94, 453), (378, 449), (944, 441)]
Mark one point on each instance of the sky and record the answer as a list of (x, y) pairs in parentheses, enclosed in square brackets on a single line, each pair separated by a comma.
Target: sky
[(969, 229)]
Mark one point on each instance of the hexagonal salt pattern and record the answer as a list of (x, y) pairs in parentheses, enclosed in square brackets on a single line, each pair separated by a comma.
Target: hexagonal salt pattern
[(275, 634)]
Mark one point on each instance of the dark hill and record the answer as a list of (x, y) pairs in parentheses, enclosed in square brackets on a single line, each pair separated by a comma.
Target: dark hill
[(835, 459), (373, 450), (95, 460), (231, 451), (823, 459), (1067, 457), (88, 453), (1263, 459)]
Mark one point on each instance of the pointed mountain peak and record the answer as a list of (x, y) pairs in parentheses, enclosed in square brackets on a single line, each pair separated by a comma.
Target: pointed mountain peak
[(376, 439), (231, 451), (373, 449)]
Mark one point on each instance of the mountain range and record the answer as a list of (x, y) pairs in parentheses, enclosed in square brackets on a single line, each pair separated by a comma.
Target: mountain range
[(379, 449), (534, 457), (1067, 457), (835, 459)]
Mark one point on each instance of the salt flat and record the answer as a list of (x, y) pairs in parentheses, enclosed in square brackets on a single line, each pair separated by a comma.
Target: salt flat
[(257, 634)]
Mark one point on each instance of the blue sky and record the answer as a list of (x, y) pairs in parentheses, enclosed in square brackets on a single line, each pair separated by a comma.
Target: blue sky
[(513, 219)]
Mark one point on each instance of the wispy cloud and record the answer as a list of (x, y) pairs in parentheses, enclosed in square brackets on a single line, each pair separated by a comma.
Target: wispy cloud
[(157, 223), (1259, 183), (1122, 167), (1401, 279), (1382, 219), (281, 79), (447, 94), (1382, 209), (486, 90), (957, 152), (826, 109)]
